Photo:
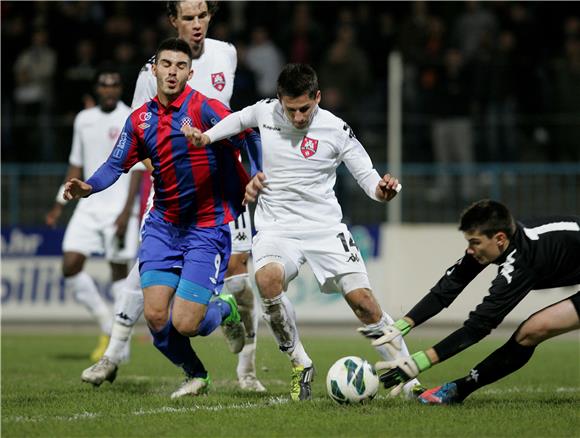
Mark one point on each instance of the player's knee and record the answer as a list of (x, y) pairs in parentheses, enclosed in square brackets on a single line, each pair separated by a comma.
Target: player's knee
[(156, 318), (533, 331), (70, 269), (72, 264), (187, 328), (270, 280), (238, 264)]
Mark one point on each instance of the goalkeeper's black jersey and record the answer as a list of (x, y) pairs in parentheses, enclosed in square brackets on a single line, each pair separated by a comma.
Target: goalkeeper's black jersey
[(542, 254)]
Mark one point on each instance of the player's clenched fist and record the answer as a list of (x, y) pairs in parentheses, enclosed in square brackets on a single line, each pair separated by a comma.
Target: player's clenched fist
[(253, 187), (387, 188), (195, 136), (76, 189)]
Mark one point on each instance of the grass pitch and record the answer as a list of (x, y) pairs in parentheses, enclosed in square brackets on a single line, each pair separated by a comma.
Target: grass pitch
[(42, 394)]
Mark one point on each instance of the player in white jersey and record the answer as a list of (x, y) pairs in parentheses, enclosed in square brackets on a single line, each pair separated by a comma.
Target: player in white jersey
[(298, 217), (108, 222), (214, 67)]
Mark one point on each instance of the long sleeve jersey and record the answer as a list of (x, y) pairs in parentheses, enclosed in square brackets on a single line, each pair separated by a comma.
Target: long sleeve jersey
[(300, 165), (542, 254)]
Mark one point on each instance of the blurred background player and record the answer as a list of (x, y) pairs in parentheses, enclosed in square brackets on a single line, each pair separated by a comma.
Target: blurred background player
[(186, 237), (214, 67), (298, 217), (106, 223), (536, 254)]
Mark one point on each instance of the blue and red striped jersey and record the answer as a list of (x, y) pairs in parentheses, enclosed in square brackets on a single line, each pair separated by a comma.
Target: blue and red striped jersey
[(196, 186)]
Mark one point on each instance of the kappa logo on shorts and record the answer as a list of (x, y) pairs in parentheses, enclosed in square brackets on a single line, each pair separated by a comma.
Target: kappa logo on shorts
[(308, 147), (241, 236), (218, 80), (353, 258)]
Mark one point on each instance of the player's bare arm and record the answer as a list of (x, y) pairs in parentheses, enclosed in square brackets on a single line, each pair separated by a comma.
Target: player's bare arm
[(76, 189), (387, 188), (253, 187), (55, 212)]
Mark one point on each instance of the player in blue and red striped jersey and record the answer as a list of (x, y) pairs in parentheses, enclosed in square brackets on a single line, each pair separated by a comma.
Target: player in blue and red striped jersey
[(186, 238)]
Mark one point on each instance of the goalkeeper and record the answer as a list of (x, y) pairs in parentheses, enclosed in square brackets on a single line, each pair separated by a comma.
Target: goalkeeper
[(541, 254)]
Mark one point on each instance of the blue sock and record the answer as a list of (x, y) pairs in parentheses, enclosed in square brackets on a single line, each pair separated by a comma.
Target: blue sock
[(177, 349), (217, 311)]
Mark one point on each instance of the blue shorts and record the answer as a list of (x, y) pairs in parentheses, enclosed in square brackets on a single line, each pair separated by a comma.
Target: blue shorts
[(192, 260)]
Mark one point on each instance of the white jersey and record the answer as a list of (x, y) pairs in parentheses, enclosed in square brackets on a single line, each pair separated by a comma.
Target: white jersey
[(95, 133), (213, 74), (300, 165)]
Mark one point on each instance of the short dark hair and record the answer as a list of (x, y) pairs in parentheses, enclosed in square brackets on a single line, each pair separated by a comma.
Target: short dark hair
[(175, 45), (487, 217), (296, 80), (107, 68), (171, 8)]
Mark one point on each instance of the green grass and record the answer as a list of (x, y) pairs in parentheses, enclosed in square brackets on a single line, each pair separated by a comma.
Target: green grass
[(42, 394)]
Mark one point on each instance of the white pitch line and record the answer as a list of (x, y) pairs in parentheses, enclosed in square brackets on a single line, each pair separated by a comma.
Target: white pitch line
[(268, 402)]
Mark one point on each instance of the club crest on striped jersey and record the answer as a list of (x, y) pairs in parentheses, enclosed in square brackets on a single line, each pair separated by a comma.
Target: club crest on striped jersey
[(185, 121), (308, 147), (218, 80)]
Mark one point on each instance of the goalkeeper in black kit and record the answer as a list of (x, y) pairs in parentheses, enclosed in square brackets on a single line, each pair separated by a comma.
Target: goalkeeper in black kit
[(539, 254)]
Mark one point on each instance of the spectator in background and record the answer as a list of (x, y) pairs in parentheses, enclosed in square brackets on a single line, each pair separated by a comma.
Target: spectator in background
[(124, 57), (34, 71), (265, 60), (472, 26), (451, 128), (245, 89), (148, 39), (501, 89), (302, 40), (79, 78), (566, 104), (344, 74)]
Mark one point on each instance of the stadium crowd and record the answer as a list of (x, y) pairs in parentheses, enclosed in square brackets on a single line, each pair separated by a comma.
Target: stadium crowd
[(503, 76)]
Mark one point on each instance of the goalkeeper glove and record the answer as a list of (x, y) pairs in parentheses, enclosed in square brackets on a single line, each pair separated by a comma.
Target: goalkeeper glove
[(401, 370), (391, 334)]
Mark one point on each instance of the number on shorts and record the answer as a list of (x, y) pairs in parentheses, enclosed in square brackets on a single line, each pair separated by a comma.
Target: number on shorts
[(344, 244), (217, 262)]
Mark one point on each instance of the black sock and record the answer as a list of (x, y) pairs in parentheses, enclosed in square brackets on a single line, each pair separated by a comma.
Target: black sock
[(505, 360)]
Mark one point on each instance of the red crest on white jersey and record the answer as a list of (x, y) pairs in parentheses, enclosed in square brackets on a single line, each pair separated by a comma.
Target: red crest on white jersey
[(218, 80), (308, 147)]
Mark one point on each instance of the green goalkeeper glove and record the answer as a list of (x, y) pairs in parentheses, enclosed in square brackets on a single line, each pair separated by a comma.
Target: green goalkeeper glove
[(399, 371), (391, 334)]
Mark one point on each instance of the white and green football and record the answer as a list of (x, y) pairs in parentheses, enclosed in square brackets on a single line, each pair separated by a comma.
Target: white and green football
[(352, 380)]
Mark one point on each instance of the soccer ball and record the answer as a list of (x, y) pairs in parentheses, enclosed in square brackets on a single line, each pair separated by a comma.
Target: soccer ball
[(352, 380)]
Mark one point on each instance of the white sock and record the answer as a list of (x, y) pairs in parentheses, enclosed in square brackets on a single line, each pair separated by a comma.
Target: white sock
[(300, 357), (386, 355), (247, 361), (129, 302), (281, 318), (120, 337), (85, 292)]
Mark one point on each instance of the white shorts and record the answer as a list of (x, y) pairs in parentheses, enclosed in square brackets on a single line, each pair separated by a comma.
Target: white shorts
[(94, 233), (241, 230), (330, 253)]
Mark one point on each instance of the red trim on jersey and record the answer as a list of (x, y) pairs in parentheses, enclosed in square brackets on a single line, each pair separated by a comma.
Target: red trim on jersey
[(200, 169), (171, 198)]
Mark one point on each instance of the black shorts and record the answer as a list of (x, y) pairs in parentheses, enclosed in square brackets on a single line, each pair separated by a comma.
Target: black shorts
[(576, 301)]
